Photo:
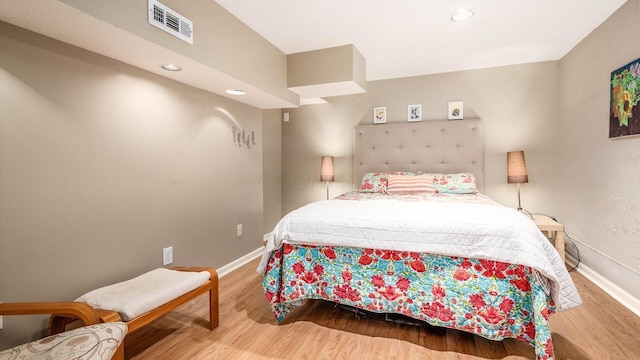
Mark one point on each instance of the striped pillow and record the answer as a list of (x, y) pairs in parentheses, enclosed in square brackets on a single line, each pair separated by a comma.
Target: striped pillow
[(399, 184)]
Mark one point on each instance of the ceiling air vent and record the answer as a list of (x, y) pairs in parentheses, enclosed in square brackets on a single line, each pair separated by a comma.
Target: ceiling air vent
[(170, 21)]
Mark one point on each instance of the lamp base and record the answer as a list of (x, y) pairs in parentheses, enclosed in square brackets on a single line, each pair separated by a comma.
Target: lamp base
[(327, 190), (520, 205), (525, 212)]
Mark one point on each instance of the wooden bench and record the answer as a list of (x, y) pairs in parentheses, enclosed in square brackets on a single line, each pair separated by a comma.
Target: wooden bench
[(58, 323)]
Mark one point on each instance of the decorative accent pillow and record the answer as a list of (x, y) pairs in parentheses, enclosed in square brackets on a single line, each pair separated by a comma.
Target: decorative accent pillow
[(462, 183), (402, 184), (378, 182)]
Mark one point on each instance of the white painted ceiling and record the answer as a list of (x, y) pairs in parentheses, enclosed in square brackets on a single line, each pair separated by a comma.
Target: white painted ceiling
[(398, 38), (401, 38)]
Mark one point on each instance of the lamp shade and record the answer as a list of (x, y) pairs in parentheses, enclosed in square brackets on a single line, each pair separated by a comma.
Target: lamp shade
[(326, 169), (516, 168)]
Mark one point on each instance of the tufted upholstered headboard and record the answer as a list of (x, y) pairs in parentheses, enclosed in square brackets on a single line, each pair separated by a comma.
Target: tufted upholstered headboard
[(430, 146)]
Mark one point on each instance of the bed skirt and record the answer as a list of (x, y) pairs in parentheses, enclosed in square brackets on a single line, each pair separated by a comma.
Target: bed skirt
[(492, 299)]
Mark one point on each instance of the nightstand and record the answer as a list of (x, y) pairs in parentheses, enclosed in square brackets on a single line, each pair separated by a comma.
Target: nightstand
[(548, 225)]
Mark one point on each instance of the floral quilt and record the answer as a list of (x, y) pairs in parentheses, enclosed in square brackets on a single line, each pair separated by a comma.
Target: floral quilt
[(493, 299)]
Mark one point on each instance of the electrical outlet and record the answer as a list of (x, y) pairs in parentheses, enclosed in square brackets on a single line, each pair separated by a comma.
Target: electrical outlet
[(239, 229), (167, 255)]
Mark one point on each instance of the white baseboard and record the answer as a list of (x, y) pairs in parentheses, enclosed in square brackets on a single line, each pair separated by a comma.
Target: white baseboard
[(224, 270), (623, 297)]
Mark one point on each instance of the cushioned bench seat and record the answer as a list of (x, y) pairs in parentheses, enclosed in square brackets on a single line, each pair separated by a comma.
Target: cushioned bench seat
[(144, 293), (147, 297)]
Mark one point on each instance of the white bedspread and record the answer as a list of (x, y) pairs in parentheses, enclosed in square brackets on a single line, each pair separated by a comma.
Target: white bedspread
[(481, 231)]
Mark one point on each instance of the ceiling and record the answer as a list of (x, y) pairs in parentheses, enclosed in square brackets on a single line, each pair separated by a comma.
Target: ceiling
[(403, 38), (398, 38)]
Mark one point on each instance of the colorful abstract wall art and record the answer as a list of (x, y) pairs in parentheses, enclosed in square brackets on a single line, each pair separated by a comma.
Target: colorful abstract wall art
[(624, 114)]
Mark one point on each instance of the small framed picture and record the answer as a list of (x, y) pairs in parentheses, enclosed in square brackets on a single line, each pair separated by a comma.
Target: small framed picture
[(380, 115), (456, 109), (414, 113)]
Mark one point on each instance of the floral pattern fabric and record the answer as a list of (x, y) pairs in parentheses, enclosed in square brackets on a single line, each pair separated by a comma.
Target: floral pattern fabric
[(433, 197), (378, 182), (463, 183), (93, 342), (492, 299)]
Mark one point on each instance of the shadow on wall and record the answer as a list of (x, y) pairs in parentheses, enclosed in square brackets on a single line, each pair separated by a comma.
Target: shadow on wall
[(241, 137)]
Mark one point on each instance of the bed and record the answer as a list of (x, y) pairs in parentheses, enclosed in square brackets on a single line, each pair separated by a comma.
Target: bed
[(423, 242)]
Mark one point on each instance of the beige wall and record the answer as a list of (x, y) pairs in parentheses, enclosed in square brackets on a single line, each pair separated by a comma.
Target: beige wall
[(103, 165), (599, 179), (272, 169), (518, 106)]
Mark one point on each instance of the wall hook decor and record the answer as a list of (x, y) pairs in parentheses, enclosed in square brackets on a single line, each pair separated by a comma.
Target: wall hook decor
[(242, 137)]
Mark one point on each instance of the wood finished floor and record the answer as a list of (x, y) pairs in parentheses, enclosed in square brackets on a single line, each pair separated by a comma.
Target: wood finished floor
[(600, 328)]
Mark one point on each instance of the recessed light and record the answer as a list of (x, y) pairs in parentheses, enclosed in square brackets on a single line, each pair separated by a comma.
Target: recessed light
[(170, 67), (235, 92), (462, 15)]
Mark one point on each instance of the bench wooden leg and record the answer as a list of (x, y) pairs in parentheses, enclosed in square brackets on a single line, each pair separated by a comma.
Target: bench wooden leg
[(214, 315)]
